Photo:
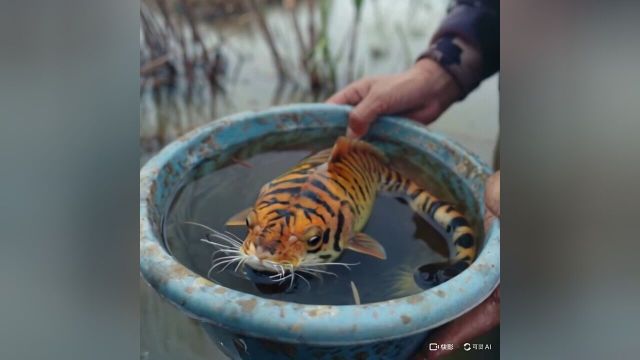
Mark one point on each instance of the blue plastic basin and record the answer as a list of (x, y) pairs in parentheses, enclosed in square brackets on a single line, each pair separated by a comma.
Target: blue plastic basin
[(249, 326)]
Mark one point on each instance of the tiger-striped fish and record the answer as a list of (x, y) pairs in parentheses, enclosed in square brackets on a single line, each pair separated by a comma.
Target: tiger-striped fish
[(316, 210)]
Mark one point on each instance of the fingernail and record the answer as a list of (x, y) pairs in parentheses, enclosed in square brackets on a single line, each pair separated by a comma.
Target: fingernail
[(351, 134)]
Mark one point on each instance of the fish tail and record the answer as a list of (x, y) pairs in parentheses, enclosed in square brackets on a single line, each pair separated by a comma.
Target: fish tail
[(450, 222)]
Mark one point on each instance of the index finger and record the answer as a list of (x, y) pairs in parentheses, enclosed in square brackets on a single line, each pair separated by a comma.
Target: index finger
[(350, 95)]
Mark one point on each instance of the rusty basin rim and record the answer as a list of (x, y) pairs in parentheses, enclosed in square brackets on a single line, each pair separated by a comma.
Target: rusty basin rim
[(292, 322)]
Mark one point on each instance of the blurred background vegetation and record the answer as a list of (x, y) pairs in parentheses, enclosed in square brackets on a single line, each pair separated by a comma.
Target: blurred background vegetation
[(203, 59)]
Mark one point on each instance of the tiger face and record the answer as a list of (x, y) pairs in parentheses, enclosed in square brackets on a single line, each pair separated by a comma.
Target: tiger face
[(285, 238)]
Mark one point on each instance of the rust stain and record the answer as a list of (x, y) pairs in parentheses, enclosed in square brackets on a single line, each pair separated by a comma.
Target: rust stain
[(321, 311), (211, 142), (296, 327), (202, 282), (247, 305), (405, 319), (415, 299), (152, 251), (189, 290), (179, 270), (153, 189), (220, 290), (293, 117), (441, 293), (482, 268)]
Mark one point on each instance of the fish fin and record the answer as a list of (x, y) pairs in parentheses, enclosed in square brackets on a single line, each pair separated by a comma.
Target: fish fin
[(430, 275), (240, 218), (318, 157), (345, 146), (365, 244)]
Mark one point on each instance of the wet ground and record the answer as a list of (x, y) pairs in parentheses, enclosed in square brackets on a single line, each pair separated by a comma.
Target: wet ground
[(392, 33)]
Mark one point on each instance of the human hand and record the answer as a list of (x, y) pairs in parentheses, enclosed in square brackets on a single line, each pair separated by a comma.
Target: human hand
[(421, 93), (481, 318), (492, 199)]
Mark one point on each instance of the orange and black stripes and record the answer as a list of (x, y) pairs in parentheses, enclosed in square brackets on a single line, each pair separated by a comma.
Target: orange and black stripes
[(333, 192), (312, 195), (450, 222)]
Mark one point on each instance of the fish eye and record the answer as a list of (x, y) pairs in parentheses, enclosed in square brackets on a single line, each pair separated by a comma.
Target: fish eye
[(250, 220), (313, 235), (313, 240)]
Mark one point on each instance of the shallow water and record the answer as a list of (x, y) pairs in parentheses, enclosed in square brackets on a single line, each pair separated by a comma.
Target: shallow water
[(211, 197)]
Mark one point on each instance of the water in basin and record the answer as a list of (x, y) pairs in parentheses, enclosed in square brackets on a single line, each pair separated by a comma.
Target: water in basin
[(210, 197)]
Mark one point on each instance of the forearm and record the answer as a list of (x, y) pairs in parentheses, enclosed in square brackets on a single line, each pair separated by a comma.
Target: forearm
[(467, 42)]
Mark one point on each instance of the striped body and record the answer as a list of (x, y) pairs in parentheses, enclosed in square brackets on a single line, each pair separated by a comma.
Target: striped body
[(316, 210)]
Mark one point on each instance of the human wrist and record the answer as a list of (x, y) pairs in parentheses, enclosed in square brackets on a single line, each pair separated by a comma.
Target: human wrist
[(440, 81), (458, 58)]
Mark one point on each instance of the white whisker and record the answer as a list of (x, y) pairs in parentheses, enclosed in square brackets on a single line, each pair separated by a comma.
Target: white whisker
[(227, 252), (293, 276), (278, 275), (277, 266), (227, 257), (283, 279), (214, 266), (217, 234), (233, 236), (329, 264), (229, 263), (231, 250), (356, 294), (239, 264), (305, 280), (232, 242), (223, 246), (319, 271), (201, 225), (280, 268), (310, 273), (220, 263)]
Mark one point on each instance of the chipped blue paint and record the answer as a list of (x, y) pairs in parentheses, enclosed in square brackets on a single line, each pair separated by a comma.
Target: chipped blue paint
[(247, 325)]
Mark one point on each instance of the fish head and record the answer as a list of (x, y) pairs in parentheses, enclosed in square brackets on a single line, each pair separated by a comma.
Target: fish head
[(286, 239)]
